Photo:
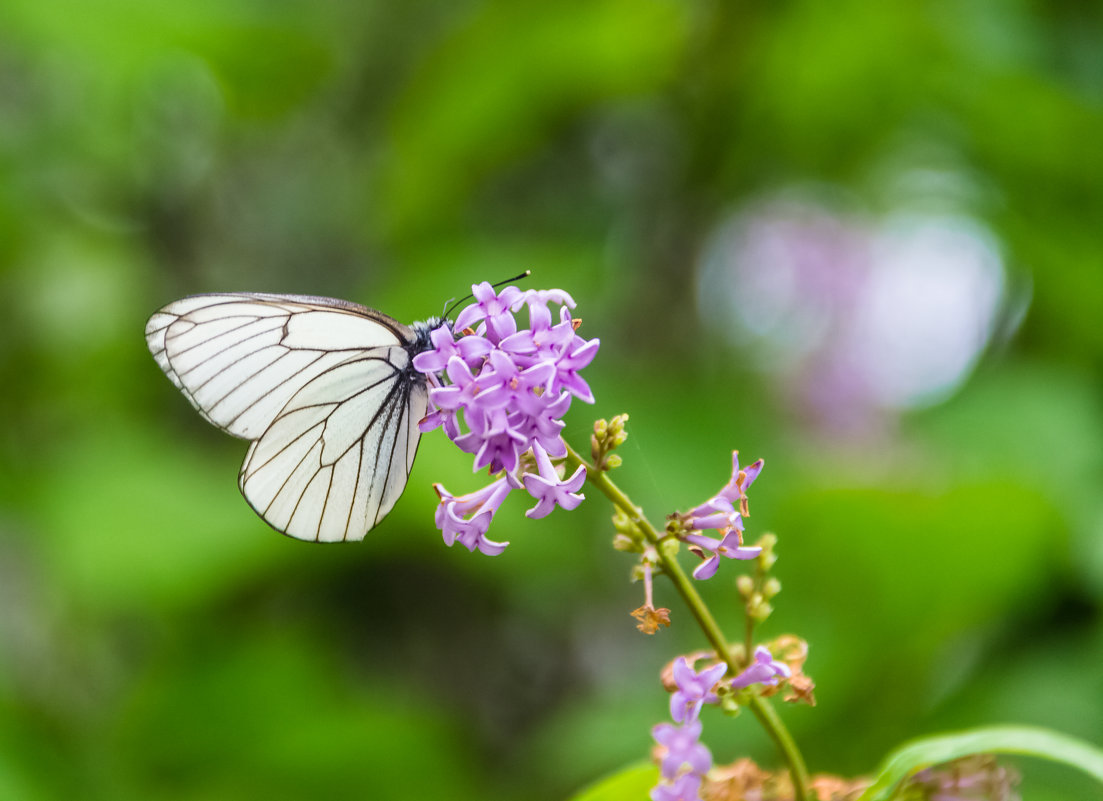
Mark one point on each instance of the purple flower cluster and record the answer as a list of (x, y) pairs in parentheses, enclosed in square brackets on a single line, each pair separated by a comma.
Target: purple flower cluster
[(500, 392), (682, 748), (720, 513), (681, 744)]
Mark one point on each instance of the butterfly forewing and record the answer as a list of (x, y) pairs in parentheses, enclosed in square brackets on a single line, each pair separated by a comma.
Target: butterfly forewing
[(322, 386), (239, 357)]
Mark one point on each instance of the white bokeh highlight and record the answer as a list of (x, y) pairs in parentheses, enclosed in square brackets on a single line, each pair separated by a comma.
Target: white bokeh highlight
[(854, 315)]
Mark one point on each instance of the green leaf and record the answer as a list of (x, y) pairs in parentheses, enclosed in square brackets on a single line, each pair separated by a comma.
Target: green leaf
[(629, 784), (1024, 740)]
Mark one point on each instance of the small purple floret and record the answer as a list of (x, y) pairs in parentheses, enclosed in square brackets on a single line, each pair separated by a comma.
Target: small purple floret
[(731, 546), (466, 518), (547, 487), (724, 512), (490, 308), (694, 689), (685, 788), (764, 670), (683, 747)]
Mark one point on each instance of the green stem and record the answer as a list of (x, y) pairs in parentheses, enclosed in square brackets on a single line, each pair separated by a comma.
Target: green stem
[(762, 709), (748, 640)]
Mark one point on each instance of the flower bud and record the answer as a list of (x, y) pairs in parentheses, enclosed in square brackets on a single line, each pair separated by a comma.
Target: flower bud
[(623, 524), (623, 542), (771, 587), (730, 706), (738, 652), (745, 586), (613, 461), (759, 608)]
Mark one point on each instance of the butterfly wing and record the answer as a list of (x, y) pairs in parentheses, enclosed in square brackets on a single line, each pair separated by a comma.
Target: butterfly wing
[(322, 386), (337, 457)]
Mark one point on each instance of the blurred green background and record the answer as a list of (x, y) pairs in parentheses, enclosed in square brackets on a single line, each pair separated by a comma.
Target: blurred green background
[(861, 240)]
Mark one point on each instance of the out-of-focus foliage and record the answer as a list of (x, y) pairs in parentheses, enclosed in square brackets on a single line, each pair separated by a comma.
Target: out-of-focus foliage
[(944, 556)]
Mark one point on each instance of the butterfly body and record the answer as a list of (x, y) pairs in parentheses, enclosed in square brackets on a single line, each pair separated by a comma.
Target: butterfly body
[(325, 390)]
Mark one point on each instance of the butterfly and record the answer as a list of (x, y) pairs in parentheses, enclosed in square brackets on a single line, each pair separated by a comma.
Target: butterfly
[(325, 390)]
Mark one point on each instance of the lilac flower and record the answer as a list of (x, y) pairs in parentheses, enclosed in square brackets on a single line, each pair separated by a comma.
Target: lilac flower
[(764, 670), (682, 743), (541, 338), (682, 748), (492, 439), (470, 349), (731, 546), (466, 518), (715, 513), (542, 422), (484, 391), (724, 501), (720, 513), (491, 308), (548, 489), (441, 418), (499, 392), (567, 375), (546, 296), (741, 480), (694, 689), (685, 788)]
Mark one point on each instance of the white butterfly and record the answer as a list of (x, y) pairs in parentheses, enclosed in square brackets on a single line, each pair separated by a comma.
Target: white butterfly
[(324, 388)]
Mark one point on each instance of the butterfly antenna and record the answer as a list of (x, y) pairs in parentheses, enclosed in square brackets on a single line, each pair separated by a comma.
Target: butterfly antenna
[(523, 275), (448, 311)]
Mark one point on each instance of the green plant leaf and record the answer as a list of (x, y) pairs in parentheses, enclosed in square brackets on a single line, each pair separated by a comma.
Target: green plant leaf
[(1024, 740), (629, 784)]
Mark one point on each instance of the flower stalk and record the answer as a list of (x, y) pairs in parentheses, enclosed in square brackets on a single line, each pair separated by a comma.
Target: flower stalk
[(761, 708)]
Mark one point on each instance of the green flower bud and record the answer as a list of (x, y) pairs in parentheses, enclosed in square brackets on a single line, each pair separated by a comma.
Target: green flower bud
[(627, 544), (730, 706), (623, 524), (759, 609), (766, 560)]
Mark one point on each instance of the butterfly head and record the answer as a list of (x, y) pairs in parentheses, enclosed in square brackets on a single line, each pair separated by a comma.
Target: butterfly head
[(422, 331)]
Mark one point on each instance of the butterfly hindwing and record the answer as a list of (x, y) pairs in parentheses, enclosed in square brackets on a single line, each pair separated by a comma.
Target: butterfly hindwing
[(337, 457)]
